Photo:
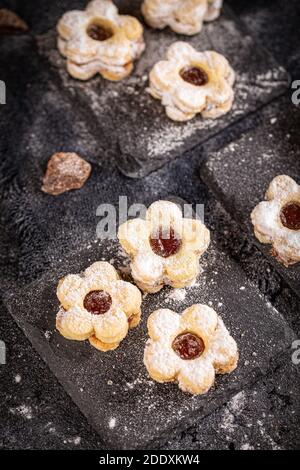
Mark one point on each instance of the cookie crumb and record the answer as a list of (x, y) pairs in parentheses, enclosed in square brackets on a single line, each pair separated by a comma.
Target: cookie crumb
[(65, 171), (11, 23)]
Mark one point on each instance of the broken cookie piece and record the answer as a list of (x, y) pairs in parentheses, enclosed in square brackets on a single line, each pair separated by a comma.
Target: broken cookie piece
[(65, 171), (11, 23)]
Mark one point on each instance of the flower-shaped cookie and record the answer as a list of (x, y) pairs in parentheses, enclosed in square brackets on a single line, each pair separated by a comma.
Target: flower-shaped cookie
[(189, 348), (183, 16), (189, 82), (99, 40), (98, 306), (277, 220), (165, 248)]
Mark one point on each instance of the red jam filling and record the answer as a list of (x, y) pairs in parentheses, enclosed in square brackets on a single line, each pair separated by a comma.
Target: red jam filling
[(194, 75), (165, 243), (290, 216), (99, 33), (97, 302), (188, 346)]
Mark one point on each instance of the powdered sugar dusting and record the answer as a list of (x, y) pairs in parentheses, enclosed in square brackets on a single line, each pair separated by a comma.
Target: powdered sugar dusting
[(23, 410), (112, 423), (197, 375), (177, 295)]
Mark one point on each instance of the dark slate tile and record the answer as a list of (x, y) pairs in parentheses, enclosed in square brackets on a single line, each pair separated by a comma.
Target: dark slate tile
[(241, 173), (144, 137), (263, 417), (36, 412), (109, 388), (275, 25)]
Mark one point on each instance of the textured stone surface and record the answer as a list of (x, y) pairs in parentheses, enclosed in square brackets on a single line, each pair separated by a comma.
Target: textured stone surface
[(36, 411), (143, 137), (276, 26), (241, 172), (262, 417), (111, 387)]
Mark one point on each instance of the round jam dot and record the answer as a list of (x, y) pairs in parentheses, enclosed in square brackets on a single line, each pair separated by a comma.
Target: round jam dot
[(165, 243), (290, 216), (97, 302), (194, 75), (99, 33), (188, 346)]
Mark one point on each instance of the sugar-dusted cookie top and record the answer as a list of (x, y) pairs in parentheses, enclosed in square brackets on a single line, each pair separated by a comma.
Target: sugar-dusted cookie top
[(189, 348), (97, 306), (277, 220), (165, 247), (189, 82), (182, 16), (99, 40)]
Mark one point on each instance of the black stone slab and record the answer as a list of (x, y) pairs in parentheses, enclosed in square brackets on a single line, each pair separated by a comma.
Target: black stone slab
[(144, 137), (113, 389), (264, 417), (276, 25), (270, 417), (241, 173)]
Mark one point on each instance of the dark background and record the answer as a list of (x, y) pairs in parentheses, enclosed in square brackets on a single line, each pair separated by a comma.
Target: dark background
[(35, 412)]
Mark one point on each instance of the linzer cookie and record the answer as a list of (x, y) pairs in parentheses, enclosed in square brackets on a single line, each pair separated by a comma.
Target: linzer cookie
[(190, 348), (277, 220), (99, 40), (97, 306), (182, 16), (165, 247), (189, 82)]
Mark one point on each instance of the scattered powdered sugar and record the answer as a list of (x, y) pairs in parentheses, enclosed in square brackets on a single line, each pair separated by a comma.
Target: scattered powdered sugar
[(246, 446), (177, 295), (227, 422), (171, 136), (267, 437), (48, 334), (112, 423), (138, 381), (23, 410), (233, 409), (237, 403), (73, 440), (18, 378)]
